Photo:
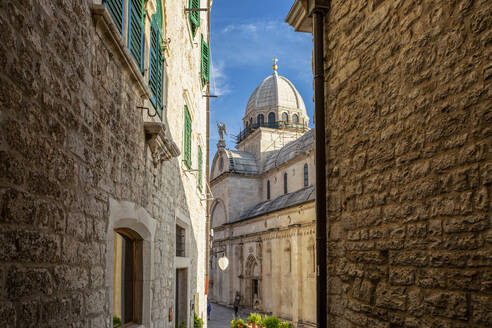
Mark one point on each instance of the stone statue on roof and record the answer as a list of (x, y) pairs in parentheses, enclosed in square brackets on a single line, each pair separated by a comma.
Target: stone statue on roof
[(221, 127)]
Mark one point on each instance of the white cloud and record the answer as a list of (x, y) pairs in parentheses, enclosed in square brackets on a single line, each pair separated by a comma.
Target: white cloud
[(219, 85)]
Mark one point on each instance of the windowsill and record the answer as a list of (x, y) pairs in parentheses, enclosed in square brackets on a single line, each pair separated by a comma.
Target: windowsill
[(110, 34)]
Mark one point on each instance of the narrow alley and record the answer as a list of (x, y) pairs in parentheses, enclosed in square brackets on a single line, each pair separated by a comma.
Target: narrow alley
[(221, 316)]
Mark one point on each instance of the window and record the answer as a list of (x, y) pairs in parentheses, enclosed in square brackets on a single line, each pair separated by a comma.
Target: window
[(271, 118), (285, 117), (116, 10), (135, 30), (268, 189), (260, 119), (187, 137), (194, 16), (285, 183), (125, 269), (205, 62), (180, 241), (306, 175), (156, 61), (135, 24), (250, 121), (200, 173), (295, 118)]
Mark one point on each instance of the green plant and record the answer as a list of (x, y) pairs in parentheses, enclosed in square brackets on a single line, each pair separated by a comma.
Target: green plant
[(182, 324), (116, 322), (254, 318), (270, 322), (238, 323), (197, 321), (285, 324)]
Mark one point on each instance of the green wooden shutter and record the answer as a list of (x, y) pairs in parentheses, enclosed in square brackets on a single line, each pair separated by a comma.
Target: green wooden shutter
[(135, 31), (116, 10), (200, 173), (205, 62), (194, 15), (155, 68), (187, 137)]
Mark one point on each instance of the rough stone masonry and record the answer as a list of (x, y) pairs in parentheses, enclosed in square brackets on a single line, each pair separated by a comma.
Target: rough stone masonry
[(71, 140), (409, 143)]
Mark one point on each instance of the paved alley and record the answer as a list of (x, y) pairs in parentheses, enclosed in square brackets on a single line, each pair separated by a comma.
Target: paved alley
[(221, 316)]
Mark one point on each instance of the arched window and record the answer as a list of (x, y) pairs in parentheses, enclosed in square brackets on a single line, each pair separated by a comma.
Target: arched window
[(268, 189), (285, 183), (250, 121), (260, 119), (285, 117), (295, 118), (246, 125), (271, 118), (306, 175)]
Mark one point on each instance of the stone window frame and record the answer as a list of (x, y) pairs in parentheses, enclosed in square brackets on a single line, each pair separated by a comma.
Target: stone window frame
[(185, 262), (268, 191), (306, 175), (129, 215)]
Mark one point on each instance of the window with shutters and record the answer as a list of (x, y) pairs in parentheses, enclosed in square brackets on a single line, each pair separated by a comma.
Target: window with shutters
[(187, 137), (135, 30), (205, 63), (200, 173), (116, 10), (156, 65), (194, 16)]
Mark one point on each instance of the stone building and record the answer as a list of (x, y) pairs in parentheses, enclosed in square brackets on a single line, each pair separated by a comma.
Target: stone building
[(408, 89), (101, 197), (263, 209)]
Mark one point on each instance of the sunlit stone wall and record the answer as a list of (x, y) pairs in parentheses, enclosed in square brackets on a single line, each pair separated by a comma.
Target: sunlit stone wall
[(72, 139)]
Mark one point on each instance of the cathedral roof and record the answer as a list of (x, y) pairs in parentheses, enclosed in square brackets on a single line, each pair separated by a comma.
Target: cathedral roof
[(241, 162), (281, 202), (275, 91), (290, 151)]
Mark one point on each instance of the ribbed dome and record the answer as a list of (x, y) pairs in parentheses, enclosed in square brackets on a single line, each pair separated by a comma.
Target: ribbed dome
[(276, 91)]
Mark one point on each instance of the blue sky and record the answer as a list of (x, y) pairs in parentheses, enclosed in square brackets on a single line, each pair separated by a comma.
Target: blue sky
[(246, 36)]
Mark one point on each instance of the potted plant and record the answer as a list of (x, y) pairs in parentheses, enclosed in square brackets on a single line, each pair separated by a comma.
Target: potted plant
[(238, 323), (270, 322), (254, 319), (197, 321), (285, 324)]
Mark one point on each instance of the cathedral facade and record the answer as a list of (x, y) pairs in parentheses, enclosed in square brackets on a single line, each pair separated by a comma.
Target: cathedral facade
[(262, 216)]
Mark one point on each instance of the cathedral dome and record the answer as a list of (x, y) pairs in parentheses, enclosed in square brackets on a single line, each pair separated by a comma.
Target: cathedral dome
[(275, 91), (276, 99)]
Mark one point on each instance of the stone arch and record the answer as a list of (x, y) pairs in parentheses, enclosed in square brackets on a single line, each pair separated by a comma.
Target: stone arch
[(218, 213), (125, 215), (285, 117), (271, 118), (252, 267)]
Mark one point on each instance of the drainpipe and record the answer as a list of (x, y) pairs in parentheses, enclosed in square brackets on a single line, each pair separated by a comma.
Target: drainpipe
[(318, 12)]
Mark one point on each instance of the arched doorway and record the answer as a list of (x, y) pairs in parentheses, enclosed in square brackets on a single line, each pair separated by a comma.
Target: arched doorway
[(252, 293)]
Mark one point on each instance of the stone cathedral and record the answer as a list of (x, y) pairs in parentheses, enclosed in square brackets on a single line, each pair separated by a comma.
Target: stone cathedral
[(263, 213)]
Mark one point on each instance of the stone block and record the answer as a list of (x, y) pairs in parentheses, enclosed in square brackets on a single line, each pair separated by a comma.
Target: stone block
[(447, 304), (391, 297), (481, 309), (26, 282), (402, 276), (71, 278), (28, 314), (472, 223), (7, 315)]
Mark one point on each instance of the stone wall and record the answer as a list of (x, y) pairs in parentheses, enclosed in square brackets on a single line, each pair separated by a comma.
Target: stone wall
[(408, 100), (72, 139)]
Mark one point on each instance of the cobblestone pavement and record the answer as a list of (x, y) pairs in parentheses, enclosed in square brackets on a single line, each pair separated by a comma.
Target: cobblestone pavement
[(221, 316)]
